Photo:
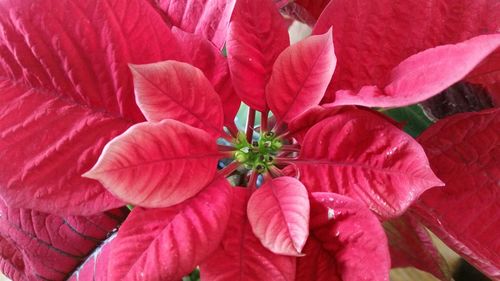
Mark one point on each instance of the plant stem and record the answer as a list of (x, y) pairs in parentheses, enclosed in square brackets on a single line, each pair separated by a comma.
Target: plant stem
[(252, 182), (264, 121), (225, 148), (232, 130), (229, 169), (250, 124)]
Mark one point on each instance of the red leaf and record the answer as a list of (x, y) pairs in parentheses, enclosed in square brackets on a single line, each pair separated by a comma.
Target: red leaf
[(46, 143), (205, 56), (463, 151), (12, 264), (157, 164), (367, 50), (179, 91), (411, 245), (208, 18), (72, 93), (425, 74), (241, 256), (299, 126), (362, 155), (35, 246), (300, 76), (257, 34), (279, 215), (346, 243), (178, 238), (96, 265)]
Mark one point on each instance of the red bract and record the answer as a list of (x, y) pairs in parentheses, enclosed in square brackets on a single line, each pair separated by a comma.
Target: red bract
[(411, 245), (208, 18), (344, 236), (75, 79), (41, 246), (463, 150), (240, 255), (66, 90), (404, 64), (368, 51), (349, 151)]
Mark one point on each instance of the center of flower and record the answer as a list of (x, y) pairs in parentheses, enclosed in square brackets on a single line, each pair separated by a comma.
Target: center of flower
[(258, 155)]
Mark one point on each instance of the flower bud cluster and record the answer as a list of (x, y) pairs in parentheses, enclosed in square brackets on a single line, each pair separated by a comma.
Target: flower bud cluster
[(258, 155)]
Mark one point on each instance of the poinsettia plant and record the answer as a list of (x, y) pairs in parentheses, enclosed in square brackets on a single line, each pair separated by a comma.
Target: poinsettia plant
[(310, 182)]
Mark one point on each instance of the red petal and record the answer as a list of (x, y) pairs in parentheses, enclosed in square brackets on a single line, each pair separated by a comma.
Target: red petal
[(360, 154), (179, 91), (178, 238), (279, 215), (463, 150), (346, 243), (411, 245), (241, 256), (300, 76), (425, 74), (257, 35), (205, 56), (35, 246), (367, 50), (208, 18), (76, 94), (157, 164)]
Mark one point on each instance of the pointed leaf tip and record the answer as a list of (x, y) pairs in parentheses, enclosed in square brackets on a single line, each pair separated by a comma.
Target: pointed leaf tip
[(179, 91), (154, 164), (301, 75), (360, 154), (367, 50), (279, 215), (241, 255), (257, 34), (425, 74)]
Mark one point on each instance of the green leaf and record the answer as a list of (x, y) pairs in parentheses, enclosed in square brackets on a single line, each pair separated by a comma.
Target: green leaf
[(412, 116), (194, 276)]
